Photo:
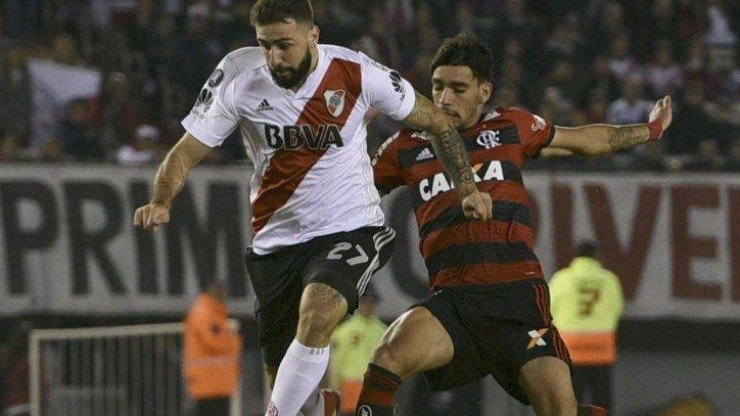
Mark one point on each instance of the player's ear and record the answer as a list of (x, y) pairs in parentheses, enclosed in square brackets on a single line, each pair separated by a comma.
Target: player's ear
[(313, 36), (486, 89)]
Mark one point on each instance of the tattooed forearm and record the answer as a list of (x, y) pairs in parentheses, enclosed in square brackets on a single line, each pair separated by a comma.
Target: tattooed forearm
[(450, 149), (422, 115), (623, 137), (446, 141), (170, 178)]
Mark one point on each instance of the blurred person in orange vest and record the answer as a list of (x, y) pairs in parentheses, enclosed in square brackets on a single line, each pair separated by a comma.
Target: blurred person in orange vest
[(352, 345), (17, 397), (212, 352), (586, 304)]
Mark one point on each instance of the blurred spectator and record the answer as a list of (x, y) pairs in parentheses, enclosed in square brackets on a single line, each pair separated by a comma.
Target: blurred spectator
[(348, 18), (622, 62), (237, 32), (162, 48), (606, 22), (600, 77), (565, 42), (144, 148), (632, 107), (693, 405), (200, 41), (22, 18), (64, 50), (555, 106), (76, 134), (15, 92), (663, 75), (14, 370), (720, 32), (378, 42), (112, 115), (597, 106), (707, 157), (653, 157), (587, 303), (695, 64), (10, 148), (212, 353), (352, 344), (562, 76), (691, 122)]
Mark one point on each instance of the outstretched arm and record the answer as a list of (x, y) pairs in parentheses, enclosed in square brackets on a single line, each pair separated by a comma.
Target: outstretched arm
[(450, 149), (170, 178), (596, 139)]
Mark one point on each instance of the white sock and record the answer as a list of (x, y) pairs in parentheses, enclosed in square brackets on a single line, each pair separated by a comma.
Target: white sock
[(299, 374), (314, 405)]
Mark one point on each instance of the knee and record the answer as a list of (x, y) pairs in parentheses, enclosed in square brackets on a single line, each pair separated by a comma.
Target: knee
[(315, 328), (387, 357)]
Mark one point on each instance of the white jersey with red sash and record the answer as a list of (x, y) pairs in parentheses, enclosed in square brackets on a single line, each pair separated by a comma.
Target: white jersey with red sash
[(312, 175)]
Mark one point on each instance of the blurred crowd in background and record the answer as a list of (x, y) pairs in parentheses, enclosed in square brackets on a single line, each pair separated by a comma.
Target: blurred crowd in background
[(110, 80)]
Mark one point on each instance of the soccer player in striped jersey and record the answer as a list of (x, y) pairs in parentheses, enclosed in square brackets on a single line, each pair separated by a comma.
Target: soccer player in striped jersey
[(318, 232), (489, 311)]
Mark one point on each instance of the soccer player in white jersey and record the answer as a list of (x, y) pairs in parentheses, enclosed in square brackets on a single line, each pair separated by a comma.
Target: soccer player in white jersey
[(318, 231)]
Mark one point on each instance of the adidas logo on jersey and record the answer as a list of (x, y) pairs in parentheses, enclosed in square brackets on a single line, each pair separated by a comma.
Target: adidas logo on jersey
[(424, 154), (264, 106)]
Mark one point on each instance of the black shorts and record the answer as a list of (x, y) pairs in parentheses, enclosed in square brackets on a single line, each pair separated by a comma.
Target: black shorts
[(495, 330), (345, 261)]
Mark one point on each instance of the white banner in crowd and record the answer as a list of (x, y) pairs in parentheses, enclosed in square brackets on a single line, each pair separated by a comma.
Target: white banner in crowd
[(53, 86), (67, 244)]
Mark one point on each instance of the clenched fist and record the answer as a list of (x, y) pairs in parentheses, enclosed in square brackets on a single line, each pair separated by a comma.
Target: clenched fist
[(151, 216), (478, 206)]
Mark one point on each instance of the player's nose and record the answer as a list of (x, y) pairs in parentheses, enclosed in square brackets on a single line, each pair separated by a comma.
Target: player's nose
[(275, 58)]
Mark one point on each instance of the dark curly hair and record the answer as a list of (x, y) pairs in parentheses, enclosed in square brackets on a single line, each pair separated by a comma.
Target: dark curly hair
[(265, 12), (465, 49)]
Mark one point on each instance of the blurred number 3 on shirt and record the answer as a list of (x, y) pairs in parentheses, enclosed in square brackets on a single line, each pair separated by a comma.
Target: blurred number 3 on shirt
[(588, 296)]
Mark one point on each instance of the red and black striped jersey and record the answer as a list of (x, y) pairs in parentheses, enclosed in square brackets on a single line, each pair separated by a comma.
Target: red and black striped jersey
[(458, 251)]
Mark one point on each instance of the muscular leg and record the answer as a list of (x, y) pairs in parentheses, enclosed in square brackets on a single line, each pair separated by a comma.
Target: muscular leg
[(546, 380), (305, 362), (415, 342)]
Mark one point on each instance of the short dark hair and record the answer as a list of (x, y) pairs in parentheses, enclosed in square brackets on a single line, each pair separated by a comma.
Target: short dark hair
[(465, 49), (265, 12), (587, 248)]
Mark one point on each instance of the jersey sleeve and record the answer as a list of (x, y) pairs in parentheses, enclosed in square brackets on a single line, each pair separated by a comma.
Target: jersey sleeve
[(213, 117), (535, 132), (385, 89), (386, 169)]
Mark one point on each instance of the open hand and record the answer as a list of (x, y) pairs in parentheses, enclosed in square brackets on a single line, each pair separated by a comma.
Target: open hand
[(662, 112)]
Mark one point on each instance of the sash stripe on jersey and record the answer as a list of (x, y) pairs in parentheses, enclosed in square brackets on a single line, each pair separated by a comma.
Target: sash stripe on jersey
[(381, 238), (476, 253), (287, 168)]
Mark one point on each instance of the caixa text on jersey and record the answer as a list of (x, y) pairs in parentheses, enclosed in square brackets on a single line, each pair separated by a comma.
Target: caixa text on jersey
[(294, 137)]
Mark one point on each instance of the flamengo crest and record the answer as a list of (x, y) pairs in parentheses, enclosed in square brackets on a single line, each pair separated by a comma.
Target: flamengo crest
[(334, 101)]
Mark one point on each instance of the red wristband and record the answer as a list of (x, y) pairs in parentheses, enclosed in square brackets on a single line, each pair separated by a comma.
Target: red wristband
[(656, 130)]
